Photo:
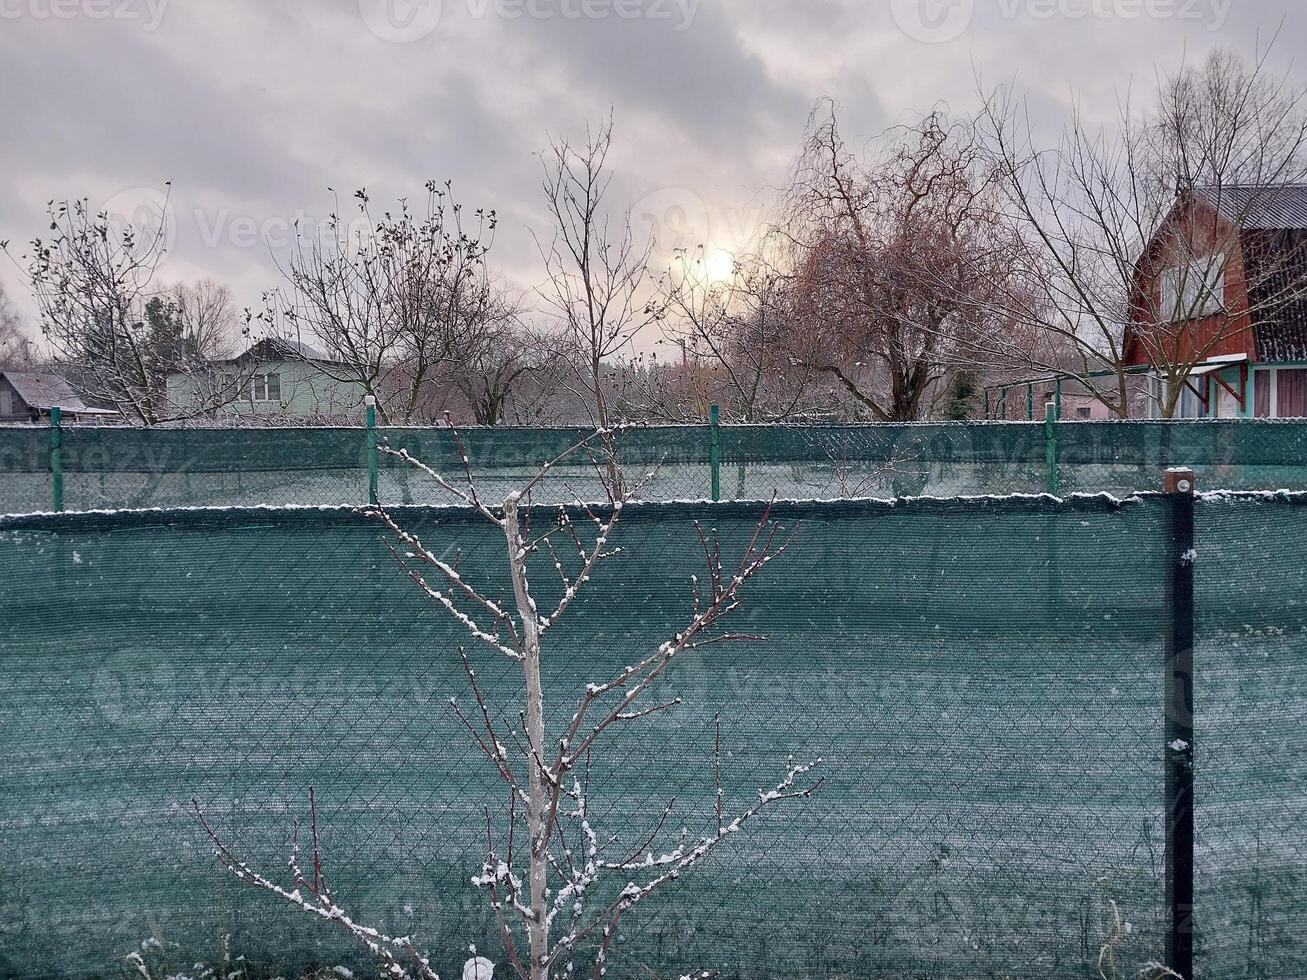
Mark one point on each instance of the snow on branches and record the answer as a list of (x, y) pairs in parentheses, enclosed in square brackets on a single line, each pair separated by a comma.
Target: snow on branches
[(557, 893)]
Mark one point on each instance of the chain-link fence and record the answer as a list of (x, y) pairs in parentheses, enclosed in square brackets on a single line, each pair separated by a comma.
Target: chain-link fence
[(983, 678), (114, 468)]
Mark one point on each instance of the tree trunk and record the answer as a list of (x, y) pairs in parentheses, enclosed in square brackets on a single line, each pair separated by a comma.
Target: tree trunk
[(537, 804)]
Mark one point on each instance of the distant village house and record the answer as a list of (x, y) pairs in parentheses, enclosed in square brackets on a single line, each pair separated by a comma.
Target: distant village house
[(274, 378), (1246, 328), (29, 396)]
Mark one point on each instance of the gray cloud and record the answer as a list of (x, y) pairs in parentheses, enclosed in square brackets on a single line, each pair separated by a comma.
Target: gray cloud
[(254, 108)]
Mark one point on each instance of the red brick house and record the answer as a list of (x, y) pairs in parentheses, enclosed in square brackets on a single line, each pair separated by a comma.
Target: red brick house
[(1220, 304)]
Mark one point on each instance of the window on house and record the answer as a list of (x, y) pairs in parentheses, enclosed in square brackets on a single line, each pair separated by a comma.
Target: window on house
[(1190, 405), (1291, 391), (1084, 413), (6, 402), (266, 388), (1262, 381), (1194, 290)]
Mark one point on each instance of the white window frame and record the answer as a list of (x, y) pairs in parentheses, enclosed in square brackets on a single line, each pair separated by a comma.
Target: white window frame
[(1207, 275), (261, 389)]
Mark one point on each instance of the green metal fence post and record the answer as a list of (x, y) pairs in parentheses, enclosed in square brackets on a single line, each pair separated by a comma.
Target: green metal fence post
[(57, 458), (1178, 680), (715, 450), (371, 402), (1030, 403), (1052, 479)]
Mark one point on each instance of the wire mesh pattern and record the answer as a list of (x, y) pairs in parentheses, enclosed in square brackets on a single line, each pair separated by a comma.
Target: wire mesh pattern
[(983, 679), (116, 468)]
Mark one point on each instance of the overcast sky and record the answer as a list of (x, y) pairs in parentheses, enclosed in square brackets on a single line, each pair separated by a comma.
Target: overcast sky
[(254, 108)]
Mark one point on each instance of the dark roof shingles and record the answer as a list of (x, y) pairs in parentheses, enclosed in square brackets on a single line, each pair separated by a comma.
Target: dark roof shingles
[(1269, 208)]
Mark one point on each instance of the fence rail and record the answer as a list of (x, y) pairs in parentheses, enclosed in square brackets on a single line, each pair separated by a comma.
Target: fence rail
[(76, 468), (991, 682)]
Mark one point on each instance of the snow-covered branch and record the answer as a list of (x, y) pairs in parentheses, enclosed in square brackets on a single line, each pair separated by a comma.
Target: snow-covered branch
[(551, 865), (313, 896)]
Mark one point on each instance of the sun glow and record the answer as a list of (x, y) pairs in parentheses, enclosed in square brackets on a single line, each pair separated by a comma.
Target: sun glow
[(719, 265)]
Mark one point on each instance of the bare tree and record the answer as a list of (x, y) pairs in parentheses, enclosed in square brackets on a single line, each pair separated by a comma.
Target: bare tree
[(394, 298), (597, 273), (1104, 217), (735, 338), (500, 370), (93, 281), (15, 346), (557, 892), (207, 316), (894, 252)]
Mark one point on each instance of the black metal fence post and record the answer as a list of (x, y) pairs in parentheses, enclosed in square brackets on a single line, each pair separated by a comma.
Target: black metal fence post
[(1180, 488)]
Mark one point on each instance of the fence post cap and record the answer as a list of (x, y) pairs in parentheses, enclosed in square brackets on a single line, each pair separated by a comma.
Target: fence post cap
[(370, 401), (1179, 479)]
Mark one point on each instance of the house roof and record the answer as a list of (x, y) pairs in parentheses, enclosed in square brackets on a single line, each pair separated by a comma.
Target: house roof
[(1277, 273), (45, 391), (280, 349), (1259, 208), (295, 349)]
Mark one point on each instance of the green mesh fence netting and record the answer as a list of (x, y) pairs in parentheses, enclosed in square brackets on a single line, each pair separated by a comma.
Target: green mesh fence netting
[(983, 679), (115, 468)]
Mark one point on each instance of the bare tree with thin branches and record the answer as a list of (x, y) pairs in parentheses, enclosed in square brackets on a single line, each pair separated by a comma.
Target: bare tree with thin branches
[(557, 889), (735, 338), (597, 282), (895, 254), (15, 346), (395, 298), (93, 279)]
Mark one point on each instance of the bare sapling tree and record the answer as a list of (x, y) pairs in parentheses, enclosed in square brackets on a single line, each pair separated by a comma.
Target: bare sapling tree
[(597, 272), (558, 884), (394, 298), (1131, 236), (734, 335), (93, 280), (894, 254)]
